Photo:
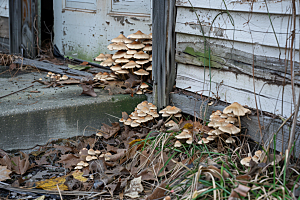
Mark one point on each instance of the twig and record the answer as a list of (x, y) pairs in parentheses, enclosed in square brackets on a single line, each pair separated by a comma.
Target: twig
[(16, 91), (59, 192)]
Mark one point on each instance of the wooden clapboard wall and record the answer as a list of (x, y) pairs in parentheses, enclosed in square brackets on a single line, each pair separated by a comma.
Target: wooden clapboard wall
[(236, 43), (248, 47)]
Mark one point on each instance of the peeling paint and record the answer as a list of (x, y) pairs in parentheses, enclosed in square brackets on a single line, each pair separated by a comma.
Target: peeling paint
[(119, 19), (128, 22)]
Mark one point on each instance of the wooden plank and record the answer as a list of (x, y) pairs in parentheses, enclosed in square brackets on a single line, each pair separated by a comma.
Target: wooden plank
[(132, 6), (226, 57), (231, 87), (159, 13), (59, 69), (258, 6), (191, 104), (4, 45), (4, 27), (15, 11), (255, 29)]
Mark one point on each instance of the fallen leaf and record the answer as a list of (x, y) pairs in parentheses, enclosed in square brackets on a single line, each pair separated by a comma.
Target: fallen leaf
[(110, 130), (20, 166), (88, 90), (132, 81), (69, 160), (63, 149), (50, 184), (4, 173), (115, 87), (242, 190), (40, 198), (78, 176), (5, 161), (158, 193), (79, 67)]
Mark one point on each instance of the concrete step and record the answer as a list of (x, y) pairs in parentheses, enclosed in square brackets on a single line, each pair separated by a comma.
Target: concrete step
[(28, 119)]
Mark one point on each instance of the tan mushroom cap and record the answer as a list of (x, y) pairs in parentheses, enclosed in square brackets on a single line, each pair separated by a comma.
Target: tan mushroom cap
[(119, 46), (119, 54), (135, 45), (165, 115), (108, 62), (214, 118), (121, 60), (128, 56), (184, 135), (141, 62), (230, 128), (152, 106), (97, 152), (78, 167), (149, 68), (211, 138), (237, 109), (115, 68), (190, 140), (231, 120), (139, 35), (123, 71), (255, 158), (101, 57), (142, 104), (141, 55), (134, 124), (150, 58), (203, 141), (144, 85), (130, 65), (150, 35), (170, 123), (224, 116), (64, 77), (246, 161), (258, 153), (131, 51), (88, 158), (141, 72), (148, 47), (217, 132), (148, 41), (154, 114), (177, 144), (178, 115), (91, 152), (230, 140), (108, 55), (80, 163), (217, 112), (173, 110), (121, 38), (221, 122)]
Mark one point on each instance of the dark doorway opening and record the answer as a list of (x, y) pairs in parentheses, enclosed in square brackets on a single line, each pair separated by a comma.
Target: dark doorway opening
[(47, 22)]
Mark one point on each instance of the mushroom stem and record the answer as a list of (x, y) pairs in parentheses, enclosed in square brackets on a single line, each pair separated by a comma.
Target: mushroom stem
[(240, 123)]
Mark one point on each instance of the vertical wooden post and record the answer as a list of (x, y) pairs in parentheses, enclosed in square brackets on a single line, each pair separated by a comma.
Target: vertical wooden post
[(163, 50), (15, 25)]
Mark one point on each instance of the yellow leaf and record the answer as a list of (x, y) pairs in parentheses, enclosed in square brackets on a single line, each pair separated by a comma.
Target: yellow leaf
[(78, 175), (40, 198), (50, 184)]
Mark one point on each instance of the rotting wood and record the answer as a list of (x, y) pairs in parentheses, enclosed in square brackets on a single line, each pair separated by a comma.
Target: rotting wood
[(58, 69), (191, 104), (15, 12)]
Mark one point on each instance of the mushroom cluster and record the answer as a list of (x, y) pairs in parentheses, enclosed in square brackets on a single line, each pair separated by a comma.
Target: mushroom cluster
[(133, 55), (143, 113), (56, 77), (225, 122), (256, 158), (105, 76), (87, 155), (171, 111)]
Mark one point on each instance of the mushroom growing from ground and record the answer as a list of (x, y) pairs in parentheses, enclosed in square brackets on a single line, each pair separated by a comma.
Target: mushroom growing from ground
[(238, 110)]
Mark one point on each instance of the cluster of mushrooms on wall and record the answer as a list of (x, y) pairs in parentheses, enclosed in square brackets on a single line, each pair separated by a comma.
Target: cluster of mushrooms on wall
[(131, 61)]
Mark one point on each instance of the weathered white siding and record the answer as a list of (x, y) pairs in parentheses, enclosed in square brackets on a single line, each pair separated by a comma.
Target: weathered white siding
[(84, 28), (4, 12), (236, 43)]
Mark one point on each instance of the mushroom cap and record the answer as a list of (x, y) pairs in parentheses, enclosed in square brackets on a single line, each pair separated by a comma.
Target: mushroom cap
[(184, 135), (130, 65), (134, 124), (224, 116), (64, 77), (141, 62), (141, 72), (108, 55), (123, 71), (91, 152), (122, 60), (121, 38), (149, 68), (108, 62), (119, 54), (150, 58), (148, 41), (217, 112), (203, 141), (128, 56), (135, 45), (246, 161), (230, 128), (128, 122), (118, 46), (153, 114), (144, 85), (131, 51), (152, 106), (101, 57), (142, 104), (217, 132), (88, 158), (178, 115), (115, 68), (190, 140), (230, 140), (177, 144), (142, 114), (148, 47), (139, 92), (80, 163), (214, 118), (255, 158), (139, 35), (211, 137), (78, 167), (171, 123), (141, 55), (220, 122), (165, 115), (258, 153), (145, 110), (173, 110), (237, 109), (231, 120), (97, 152)]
